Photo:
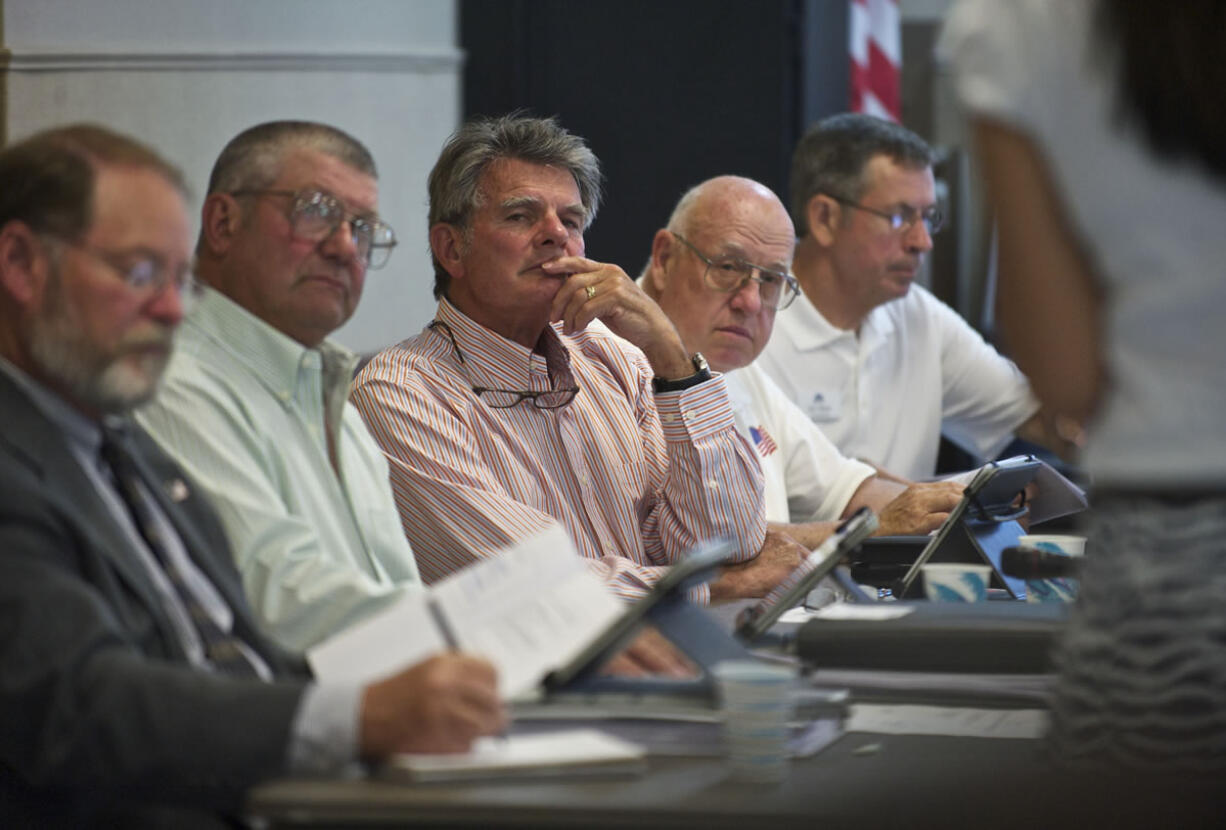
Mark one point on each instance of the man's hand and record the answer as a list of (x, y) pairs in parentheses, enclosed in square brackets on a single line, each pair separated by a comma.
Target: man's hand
[(438, 705), (919, 509), (650, 654), (595, 289), (780, 554)]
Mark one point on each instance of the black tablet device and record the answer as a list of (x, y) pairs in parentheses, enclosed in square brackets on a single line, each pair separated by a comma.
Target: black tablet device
[(695, 569), (757, 619), (982, 523)]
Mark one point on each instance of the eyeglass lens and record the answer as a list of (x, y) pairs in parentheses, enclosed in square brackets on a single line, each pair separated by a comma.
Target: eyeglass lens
[(731, 276), (316, 216)]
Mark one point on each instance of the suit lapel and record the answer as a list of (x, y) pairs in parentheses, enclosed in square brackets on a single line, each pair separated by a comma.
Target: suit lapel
[(36, 442)]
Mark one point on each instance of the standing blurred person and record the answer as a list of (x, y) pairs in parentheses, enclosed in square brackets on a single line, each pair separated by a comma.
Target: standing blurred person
[(1104, 144)]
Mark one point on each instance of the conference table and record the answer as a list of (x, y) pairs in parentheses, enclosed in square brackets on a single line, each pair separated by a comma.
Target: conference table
[(862, 780)]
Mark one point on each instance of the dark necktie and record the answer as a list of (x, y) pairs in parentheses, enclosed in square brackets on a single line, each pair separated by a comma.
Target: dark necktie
[(221, 647)]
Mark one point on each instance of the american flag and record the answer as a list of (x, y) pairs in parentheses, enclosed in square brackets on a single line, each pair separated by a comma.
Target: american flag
[(762, 440), (876, 58)]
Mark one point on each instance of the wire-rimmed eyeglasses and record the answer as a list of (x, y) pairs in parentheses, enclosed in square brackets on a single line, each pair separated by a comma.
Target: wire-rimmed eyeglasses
[(507, 398), (315, 215), (144, 272), (903, 217), (777, 289)]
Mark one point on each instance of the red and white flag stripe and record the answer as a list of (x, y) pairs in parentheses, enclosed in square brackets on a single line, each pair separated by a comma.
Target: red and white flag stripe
[(876, 58)]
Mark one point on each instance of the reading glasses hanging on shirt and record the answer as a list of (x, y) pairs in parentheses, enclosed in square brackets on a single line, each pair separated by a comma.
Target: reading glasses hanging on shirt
[(316, 216), (507, 398), (902, 218)]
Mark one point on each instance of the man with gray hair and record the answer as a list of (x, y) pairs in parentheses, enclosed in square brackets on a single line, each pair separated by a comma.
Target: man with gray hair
[(138, 688), (254, 404), (878, 363), (550, 388)]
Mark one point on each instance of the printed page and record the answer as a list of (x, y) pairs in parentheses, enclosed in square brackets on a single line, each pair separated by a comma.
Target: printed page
[(550, 753), (528, 610), (402, 634)]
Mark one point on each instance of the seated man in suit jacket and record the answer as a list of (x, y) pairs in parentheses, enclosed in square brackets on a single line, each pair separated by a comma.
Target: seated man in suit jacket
[(134, 685)]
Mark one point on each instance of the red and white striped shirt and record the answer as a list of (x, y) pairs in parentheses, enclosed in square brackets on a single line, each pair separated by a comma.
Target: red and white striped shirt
[(636, 478)]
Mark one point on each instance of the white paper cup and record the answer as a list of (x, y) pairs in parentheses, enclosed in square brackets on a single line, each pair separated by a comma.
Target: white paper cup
[(1053, 543), (757, 700), (956, 582), (1052, 590)]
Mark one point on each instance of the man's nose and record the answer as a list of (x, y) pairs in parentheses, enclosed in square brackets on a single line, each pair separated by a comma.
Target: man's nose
[(168, 304), (340, 243), (553, 230), (749, 296), (918, 238)]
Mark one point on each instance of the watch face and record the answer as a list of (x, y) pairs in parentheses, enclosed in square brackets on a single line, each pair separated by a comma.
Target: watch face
[(700, 362)]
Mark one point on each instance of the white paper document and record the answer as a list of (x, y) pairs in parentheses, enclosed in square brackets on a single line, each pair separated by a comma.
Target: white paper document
[(571, 751), (947, 720), (527, 610)]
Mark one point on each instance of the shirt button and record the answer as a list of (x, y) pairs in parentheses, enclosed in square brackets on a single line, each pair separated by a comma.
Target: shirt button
[(712, 484), (668, 418)]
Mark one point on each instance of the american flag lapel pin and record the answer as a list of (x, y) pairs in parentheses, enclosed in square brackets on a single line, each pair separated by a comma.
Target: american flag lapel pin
[(762, 440)]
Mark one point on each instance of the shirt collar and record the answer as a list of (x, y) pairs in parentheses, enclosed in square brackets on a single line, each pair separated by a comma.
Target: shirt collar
[(806, 327), (81, 431), (809, 331), (274, 358), (494, 361)]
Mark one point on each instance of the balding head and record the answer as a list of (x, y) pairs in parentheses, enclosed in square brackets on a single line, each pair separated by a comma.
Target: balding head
[(728, 220)]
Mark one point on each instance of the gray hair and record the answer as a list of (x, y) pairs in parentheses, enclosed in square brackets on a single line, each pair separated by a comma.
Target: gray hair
[(454, 184), (252, 159), (832, 155)]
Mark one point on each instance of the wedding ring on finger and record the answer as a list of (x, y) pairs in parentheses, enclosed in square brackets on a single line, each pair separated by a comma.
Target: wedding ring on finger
[(591, 291)]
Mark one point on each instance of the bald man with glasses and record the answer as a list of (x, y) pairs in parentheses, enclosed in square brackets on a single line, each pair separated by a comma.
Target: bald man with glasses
[(877, 362)]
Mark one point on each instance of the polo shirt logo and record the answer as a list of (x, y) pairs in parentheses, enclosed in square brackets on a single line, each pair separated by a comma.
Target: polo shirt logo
[(762, 440)]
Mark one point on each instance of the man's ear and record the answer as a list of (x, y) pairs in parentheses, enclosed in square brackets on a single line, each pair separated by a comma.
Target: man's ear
[(823, 215), (24, 263), (447, 245), (663, 249), (220, 219)]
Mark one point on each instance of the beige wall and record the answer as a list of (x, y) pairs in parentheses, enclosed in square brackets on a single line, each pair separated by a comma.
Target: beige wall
[(186, 75)]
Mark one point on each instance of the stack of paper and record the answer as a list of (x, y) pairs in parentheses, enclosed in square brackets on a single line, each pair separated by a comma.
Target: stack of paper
[(565, 753)]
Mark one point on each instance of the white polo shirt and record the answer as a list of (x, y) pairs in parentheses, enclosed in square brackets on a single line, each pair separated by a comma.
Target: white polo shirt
[(916, 369), (807, 478)]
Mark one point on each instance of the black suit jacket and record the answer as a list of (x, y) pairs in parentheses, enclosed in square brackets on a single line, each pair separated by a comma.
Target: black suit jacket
[(98, 708)]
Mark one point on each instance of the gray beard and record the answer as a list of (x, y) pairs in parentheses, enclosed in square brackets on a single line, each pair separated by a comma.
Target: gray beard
[(105, 383)]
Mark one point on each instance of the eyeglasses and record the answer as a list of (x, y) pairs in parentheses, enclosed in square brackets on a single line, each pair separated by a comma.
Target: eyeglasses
[(142, 271), (902, 218), (507, 398), (777, 289), (316, 216)]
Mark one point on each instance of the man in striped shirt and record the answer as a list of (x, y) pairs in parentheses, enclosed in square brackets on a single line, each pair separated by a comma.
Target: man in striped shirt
[(720, 270), (550, 388)]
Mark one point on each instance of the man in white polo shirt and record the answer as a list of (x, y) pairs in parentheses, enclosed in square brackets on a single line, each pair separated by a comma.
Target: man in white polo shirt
[(881, 365)]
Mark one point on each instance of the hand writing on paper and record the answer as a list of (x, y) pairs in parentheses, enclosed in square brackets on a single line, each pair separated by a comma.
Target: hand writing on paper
[(438, 705)]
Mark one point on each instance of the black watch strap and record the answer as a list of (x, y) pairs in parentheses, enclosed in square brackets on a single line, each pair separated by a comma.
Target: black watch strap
[(702, 373)]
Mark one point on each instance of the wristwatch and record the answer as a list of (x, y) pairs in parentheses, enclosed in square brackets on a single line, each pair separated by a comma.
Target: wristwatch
[(702, 372)]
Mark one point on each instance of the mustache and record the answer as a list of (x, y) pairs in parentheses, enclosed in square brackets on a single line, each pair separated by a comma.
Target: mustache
[(152, 335)]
